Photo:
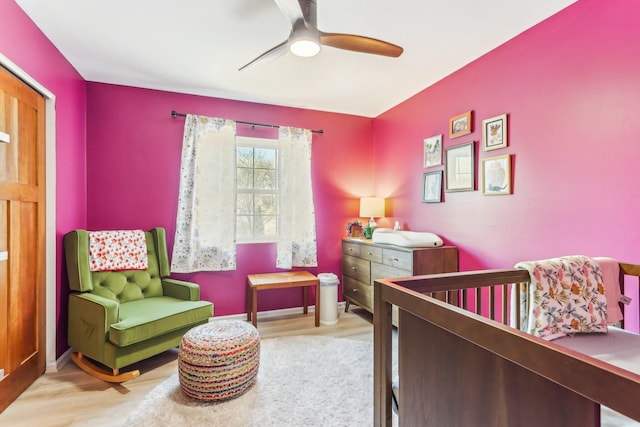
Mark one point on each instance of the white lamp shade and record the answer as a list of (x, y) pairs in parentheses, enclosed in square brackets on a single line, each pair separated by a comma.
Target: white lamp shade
[(372, 207)]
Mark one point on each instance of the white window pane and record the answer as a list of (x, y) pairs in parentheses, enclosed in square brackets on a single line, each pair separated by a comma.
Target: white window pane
[(244, 226), (244, 178), (256, 186), (244, 157), (265, 179), (265, 226), (265, 158), (265, 204), (244, 204)]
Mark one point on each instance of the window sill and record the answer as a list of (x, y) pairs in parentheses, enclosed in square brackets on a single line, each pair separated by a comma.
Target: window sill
[(251, 242)]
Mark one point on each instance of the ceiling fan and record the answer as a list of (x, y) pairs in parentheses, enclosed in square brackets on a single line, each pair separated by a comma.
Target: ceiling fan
[(305, 39)]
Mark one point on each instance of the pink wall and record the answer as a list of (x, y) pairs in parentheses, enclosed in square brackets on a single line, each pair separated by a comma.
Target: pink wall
[(571, 88), (25, 45), (133, 158)]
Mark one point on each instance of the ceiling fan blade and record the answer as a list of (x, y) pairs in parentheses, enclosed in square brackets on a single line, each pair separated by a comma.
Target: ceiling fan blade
[(273, 53), (291, 9), (360, 44)]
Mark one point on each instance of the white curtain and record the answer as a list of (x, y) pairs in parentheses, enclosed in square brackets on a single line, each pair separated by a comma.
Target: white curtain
[(296, 245), (206, 221)]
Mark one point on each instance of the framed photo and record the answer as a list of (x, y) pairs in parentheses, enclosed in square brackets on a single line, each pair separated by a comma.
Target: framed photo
[(460, 167), (432, 187), (460, 125), (433, 151), (496, 175), (494, 133)]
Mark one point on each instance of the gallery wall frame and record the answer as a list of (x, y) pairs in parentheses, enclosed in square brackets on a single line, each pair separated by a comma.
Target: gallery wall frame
[(433, 151), (494, 133), (460, 167), (432, 187), (460, 125), (496, 175)]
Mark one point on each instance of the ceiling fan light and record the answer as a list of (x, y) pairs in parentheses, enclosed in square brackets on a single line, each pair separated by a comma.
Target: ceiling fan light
[(305, 48)]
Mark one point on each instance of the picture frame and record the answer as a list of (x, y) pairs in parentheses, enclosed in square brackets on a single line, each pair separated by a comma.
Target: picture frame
[(496, 175), (433, 151), (432, 187), (494, 133), (460, 125), (460, 167)]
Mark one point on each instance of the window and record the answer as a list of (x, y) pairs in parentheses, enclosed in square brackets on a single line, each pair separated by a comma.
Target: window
[(256, 190)]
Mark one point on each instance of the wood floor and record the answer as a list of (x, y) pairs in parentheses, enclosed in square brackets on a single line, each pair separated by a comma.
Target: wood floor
[(70, 397)]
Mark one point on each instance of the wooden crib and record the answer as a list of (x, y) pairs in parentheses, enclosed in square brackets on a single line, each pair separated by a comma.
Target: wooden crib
[(458, 368)]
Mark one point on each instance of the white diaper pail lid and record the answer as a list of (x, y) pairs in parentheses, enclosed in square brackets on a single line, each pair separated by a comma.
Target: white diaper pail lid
[(328, 279)]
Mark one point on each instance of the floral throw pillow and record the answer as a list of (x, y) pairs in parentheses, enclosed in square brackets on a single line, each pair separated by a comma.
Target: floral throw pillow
[(564, 296), (117, 250)]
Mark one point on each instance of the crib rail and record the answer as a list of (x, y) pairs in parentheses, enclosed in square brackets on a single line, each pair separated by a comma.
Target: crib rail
[(485, 293)]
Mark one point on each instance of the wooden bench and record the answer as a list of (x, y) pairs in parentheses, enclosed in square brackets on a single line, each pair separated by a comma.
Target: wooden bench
[(290, 279)]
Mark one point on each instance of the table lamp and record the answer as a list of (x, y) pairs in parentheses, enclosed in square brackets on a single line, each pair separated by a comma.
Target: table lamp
[(372, 207)]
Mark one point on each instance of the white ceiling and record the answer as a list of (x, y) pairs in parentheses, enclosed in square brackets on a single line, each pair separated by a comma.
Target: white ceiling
[(197, 46)]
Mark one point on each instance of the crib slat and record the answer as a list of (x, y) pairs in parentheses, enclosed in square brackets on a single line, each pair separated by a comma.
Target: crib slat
[(516, 289), (492, 305), (505, 304)]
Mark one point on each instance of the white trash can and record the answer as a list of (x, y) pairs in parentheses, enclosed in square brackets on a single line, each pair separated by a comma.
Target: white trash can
[(328, 298)]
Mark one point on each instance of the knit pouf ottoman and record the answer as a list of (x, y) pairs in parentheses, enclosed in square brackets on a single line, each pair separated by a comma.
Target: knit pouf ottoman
[(219, 360)]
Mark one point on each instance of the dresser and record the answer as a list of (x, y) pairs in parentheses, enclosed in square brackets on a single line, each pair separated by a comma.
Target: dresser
[(364, 261)]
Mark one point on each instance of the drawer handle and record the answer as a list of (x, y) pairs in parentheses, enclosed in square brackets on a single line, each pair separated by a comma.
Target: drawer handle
[(350, 249), (369, 253), (355, 290), (394, 259), (354, 268)]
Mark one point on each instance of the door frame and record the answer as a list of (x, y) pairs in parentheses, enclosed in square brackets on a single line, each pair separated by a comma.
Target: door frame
[(50, 201)]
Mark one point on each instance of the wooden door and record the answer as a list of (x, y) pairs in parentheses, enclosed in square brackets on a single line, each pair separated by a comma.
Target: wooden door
[(22, 237)]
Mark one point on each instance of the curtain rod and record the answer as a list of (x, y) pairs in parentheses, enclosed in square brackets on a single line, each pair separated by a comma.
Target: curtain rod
[(174, 114)]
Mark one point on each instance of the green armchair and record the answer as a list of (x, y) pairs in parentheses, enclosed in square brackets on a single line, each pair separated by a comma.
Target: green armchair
[(120, 317)]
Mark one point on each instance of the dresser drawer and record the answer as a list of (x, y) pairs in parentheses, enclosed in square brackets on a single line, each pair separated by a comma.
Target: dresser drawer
[(371, 253), (398, 259), (352, 249), (356, 268), (382, 271), (361, 293)]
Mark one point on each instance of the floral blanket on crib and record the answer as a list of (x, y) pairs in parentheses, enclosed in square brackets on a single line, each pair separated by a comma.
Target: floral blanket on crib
[(564, 296)]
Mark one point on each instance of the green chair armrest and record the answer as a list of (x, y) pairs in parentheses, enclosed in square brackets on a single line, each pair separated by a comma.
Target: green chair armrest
[(90, 316), (180, 289)]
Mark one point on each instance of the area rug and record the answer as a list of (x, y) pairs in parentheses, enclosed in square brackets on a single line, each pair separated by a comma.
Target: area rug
[(302, 381)]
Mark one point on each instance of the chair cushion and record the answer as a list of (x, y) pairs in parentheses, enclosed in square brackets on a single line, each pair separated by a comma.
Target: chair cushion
[(143, 319)]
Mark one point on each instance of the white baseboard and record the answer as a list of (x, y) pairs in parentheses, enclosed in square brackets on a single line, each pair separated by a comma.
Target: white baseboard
[(60, 362), (272, 313)]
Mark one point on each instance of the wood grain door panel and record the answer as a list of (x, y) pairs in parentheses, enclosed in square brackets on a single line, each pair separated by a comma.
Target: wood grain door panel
[(22, 237)]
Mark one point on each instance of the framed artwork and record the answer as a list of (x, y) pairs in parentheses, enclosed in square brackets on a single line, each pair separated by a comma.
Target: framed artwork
[(432, 187), (460, 125), (494, 133), (433, 151), (460, 167), (496, 175)]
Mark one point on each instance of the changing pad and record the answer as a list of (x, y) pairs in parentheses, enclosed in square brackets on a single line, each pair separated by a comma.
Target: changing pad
[(407, 239)]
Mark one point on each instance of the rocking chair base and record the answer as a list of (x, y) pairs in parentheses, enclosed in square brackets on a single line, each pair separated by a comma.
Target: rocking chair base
[(113, 376)]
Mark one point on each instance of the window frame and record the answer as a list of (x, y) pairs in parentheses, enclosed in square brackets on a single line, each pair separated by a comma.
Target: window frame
[(268, 143)]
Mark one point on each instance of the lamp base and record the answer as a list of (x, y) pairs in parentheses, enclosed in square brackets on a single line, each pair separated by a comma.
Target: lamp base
[(373, 224)]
